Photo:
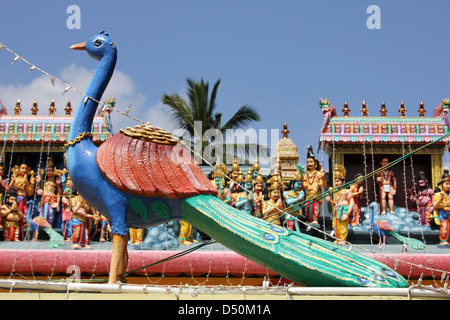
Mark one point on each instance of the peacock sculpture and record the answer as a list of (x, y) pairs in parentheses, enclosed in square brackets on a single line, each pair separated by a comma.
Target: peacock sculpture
[(383, 228), (143, 176)]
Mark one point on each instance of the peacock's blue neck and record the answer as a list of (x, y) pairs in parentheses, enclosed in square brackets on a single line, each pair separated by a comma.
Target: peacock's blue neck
[(84, 116)]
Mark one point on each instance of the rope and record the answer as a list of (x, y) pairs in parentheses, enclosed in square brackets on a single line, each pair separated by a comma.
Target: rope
[(174, 256)]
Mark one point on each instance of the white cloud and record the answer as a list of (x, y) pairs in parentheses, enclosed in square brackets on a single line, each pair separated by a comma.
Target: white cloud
[(121, 87)]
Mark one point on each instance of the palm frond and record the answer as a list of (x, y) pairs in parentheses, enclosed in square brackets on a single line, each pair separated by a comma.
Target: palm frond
[(212, 100), (201, 106), (244, 116), (180, 111)]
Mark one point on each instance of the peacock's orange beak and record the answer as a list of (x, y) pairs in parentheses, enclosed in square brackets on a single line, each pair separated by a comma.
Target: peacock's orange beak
[(79, 46)]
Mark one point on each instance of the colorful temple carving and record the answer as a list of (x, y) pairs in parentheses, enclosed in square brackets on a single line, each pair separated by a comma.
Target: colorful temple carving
[(28, 132), (360, 144), (36, 142)]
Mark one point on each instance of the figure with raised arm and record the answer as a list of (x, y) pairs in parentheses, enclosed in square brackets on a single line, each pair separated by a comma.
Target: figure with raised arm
[(342, 202), (357, 191), (313, 182), (292, 198)]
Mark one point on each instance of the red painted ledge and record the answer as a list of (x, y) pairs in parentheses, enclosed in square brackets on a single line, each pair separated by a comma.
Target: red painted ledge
[(214, 263)]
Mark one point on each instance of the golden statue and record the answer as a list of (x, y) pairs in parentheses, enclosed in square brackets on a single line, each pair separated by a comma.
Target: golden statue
[(313, 182), (258, 195), (342, 202), (272, 208)]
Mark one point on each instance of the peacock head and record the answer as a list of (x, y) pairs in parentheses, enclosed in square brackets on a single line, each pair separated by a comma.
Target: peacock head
[(97, 46)]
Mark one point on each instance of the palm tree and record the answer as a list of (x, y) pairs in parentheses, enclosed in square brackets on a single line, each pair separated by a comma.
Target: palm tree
[(201, 107)]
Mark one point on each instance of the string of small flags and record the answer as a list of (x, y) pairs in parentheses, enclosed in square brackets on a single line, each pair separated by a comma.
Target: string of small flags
[(67, 86)]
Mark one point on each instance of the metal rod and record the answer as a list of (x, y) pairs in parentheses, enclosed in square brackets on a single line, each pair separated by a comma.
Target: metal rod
[(128, 288)]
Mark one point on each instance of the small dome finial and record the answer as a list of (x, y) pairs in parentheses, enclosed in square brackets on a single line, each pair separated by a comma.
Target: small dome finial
[(364, 109), (285, 131), (422, 110), (383, 110), (34, 109)]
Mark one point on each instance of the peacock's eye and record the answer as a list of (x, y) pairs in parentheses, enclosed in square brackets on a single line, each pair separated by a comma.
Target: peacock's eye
[(98, 43)]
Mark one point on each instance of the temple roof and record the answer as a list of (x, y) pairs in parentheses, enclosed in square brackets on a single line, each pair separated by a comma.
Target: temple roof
[(33, 129), (384, 130)]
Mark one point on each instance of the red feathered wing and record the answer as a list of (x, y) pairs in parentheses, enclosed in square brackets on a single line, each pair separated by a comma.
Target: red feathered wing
[(148, 161), (384, 225)]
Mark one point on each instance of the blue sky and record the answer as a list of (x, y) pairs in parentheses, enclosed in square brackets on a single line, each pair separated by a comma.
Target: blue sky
[(279, 56)]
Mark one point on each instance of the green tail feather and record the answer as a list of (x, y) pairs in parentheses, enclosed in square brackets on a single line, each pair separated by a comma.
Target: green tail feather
[(56, 240), (299, 257), (413, 243)]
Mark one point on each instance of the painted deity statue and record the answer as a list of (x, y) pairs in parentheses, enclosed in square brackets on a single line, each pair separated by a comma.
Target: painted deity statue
[(12, 218), (50, 190), (441, 111), (106, 113), (292, 198), (258, 195), (441, 203), (255, 169), (220, 172), (82, 213), (186, 233), (22, 180), (212, 175), (313, 182), (357, 191), (66, 207), (328, 112), (244, 199), (105, 229), (272, 208), (424, 200), (231, 186), (236, 192), (387, 186), (136, 236), (342, 202)]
